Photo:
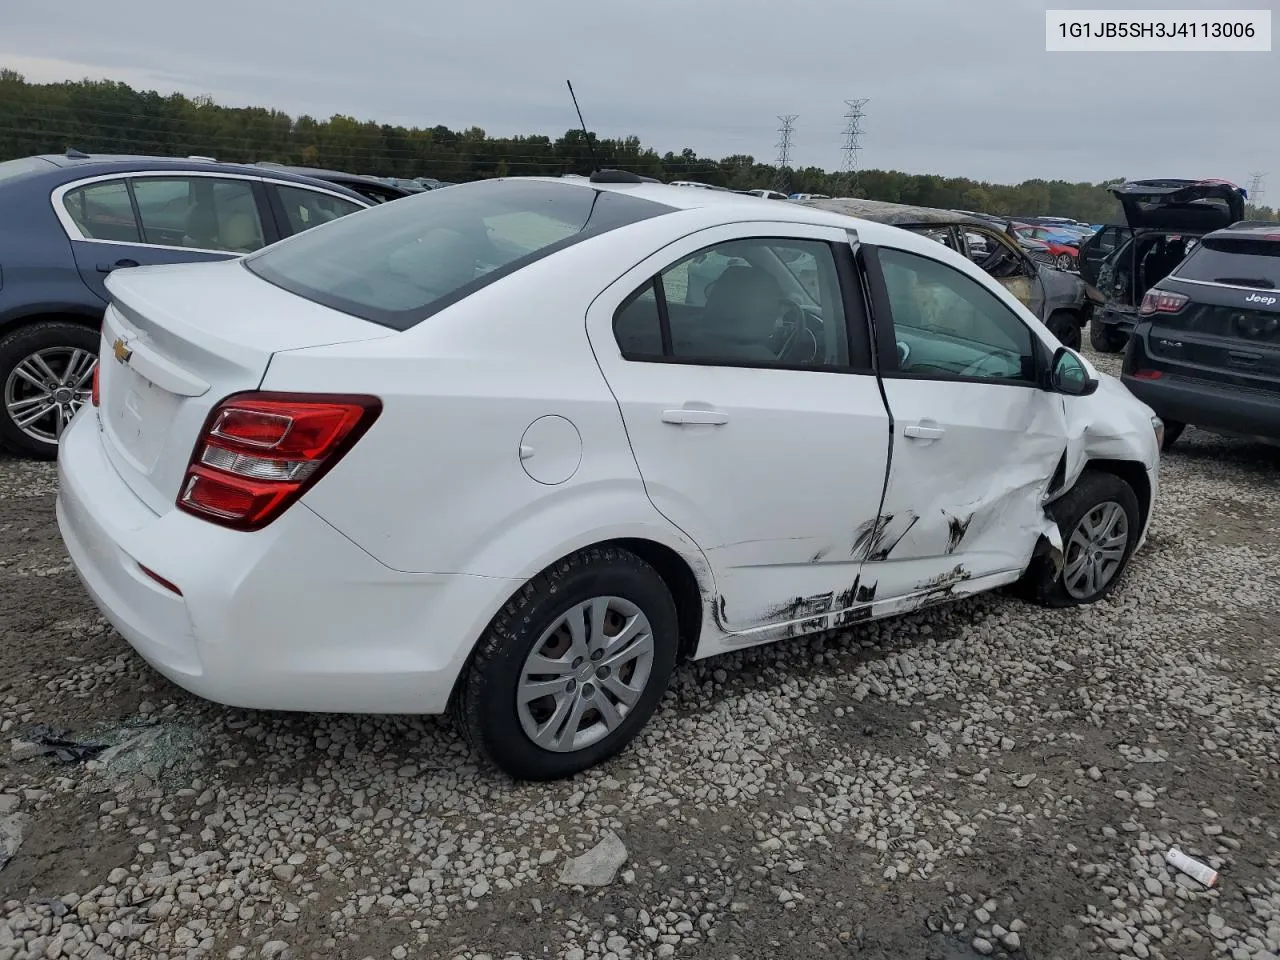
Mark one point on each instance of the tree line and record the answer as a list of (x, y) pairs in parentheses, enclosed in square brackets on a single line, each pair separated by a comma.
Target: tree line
[(104, 116)]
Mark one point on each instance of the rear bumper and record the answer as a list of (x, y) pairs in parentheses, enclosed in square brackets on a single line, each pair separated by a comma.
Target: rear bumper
[(293, 617), (1223, 408), (1115, 319)]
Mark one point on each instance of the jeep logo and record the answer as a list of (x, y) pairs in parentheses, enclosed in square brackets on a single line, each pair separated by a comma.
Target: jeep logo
[(1254, 298)]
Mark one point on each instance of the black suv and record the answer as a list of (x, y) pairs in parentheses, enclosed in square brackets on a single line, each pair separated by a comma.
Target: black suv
[(1206, 348), (1162, 222)]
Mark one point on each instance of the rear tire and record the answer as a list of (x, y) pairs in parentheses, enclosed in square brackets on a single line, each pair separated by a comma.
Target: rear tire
[(1066, 327), (529, 669), (1106, 339), (1172, 431), (1100, 515), (44, 366)]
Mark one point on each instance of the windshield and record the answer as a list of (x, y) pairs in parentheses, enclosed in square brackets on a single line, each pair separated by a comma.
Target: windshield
[(1241, 262), (399, 263)]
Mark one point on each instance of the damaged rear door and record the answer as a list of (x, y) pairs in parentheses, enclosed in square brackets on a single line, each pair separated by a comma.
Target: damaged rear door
[(976, 441)]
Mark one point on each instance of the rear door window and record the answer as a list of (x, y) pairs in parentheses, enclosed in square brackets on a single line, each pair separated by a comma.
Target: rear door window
[(205, 213), (1237, 262)]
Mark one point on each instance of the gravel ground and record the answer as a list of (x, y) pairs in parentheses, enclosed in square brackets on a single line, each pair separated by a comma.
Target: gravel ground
[(987, 778)]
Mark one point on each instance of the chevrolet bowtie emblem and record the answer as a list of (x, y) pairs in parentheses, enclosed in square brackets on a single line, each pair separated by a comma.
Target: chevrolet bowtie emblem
[(121, 350)]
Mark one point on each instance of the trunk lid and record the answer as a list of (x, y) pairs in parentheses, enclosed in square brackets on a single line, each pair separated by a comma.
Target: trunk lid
[(176, 340), (1189, 206)]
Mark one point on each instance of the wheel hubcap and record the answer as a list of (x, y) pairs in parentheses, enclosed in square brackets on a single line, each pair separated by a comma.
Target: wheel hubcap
[(45, 389), (585, 674), (1096, 550)]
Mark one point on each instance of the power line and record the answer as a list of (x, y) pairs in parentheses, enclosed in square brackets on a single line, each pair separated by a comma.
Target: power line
[(853, 116), (783, 179), (1257, 187)]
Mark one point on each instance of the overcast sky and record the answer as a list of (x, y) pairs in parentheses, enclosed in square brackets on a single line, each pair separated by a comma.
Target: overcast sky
[(956, 88)]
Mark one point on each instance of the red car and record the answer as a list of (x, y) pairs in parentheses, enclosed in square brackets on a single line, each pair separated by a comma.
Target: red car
[(1065, 256)]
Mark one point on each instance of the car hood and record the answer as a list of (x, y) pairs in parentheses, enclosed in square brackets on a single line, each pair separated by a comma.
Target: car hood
[(1193, 206)]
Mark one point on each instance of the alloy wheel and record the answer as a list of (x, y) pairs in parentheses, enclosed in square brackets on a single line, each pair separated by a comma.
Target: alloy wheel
[(45, 389)]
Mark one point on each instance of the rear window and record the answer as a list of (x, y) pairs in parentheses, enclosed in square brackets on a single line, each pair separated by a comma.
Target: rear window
[(398, 263), (17, 168), (1242, 262)]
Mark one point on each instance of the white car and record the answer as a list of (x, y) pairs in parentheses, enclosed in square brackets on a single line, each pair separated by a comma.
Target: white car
[(480, 450)]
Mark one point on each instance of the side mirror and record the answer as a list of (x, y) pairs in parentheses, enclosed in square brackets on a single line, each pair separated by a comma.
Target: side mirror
[(1068, 375)]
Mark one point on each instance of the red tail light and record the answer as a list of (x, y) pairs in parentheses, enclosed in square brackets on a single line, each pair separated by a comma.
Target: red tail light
[(1161, 301), (1147, 374), (259, 452), (95, 397)]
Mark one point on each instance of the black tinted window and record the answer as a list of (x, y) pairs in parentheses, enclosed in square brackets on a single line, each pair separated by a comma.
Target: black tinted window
[(762, 302), (398, 263), (1246, 262)]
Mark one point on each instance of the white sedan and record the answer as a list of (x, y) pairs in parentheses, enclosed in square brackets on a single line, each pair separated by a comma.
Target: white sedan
[(516, 448)]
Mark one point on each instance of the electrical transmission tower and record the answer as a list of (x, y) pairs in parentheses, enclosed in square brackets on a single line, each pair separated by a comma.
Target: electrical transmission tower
[(1257, 185), (783, 179), (853, 116)]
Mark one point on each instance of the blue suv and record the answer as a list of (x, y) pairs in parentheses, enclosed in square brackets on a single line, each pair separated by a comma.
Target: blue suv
[(67, 221)]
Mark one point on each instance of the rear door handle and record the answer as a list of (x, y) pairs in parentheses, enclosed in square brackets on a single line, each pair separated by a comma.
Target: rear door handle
[(686, 415), (924, 430), (108, 267)]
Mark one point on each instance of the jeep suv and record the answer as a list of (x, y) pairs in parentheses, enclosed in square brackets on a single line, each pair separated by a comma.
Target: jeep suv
[(1206, 348), (1163, 220)]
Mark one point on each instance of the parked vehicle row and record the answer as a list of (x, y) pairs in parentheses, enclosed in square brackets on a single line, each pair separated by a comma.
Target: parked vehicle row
[(1060, 300), (514, 448), (67, 222)]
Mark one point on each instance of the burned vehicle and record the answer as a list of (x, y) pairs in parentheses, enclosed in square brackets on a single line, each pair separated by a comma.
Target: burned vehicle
[(1061, 300), (1160, 223)]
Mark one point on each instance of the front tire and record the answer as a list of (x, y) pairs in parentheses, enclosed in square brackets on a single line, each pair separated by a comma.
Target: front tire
[(46, 373), (1100, 522), (1106, 339), (571, 668)]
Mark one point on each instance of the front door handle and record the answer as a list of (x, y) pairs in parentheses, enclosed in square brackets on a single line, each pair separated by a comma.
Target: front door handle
[(688, 415), (108, 267), (924, 430)]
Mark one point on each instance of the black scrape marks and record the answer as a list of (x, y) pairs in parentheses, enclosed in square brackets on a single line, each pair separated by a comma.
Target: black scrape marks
[(883, 545), (867, 534), (849, 617), (940, 588), (956, 529), (820, 554), (800, 607), (717, 612), (801, 627)]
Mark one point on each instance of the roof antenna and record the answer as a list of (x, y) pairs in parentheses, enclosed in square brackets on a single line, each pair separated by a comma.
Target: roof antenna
[(590, 149)]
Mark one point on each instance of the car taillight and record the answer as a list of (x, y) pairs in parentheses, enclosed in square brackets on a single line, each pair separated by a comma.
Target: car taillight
[(95, 396), (1161, 301), (259, 452), (1147, 374)]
